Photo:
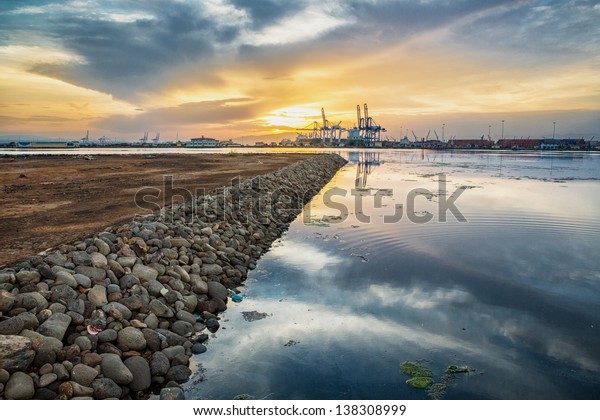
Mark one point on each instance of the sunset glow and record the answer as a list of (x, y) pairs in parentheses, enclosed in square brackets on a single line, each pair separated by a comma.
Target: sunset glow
[(234, 68)]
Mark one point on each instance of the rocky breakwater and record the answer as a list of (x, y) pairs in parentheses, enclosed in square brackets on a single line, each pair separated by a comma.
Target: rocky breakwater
[(118, 314)]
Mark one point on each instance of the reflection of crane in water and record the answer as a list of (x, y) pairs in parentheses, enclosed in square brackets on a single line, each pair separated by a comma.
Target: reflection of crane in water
[(366, 163)]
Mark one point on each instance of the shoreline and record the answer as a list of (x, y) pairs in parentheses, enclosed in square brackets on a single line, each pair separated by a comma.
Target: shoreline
[(119, 313)]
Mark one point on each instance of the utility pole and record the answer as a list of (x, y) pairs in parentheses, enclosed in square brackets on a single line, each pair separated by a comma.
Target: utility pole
[(443, 126), (553, 130), (502, 136)]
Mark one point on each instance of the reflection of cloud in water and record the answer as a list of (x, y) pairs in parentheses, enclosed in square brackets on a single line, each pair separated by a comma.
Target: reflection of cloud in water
[(414, 297), (305, 256), (542, 339)]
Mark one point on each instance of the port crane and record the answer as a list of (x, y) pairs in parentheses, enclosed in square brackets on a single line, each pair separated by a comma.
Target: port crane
[(157, 138), (144, 138), (370, 131)]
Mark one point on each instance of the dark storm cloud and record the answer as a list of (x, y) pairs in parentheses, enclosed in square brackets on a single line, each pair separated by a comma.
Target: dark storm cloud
[(126, 58), (540, 29), (266, 12)]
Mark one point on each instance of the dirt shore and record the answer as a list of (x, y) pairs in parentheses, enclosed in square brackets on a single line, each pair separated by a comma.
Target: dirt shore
[(49, 200)]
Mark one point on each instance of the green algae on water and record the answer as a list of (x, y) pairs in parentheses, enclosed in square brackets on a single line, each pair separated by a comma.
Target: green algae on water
[(420, 382), (415, 369)]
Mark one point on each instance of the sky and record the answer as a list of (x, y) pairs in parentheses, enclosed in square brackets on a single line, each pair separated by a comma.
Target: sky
[(233, 68)]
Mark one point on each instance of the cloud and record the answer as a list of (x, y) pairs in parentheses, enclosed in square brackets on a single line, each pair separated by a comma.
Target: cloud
[(207, 113)]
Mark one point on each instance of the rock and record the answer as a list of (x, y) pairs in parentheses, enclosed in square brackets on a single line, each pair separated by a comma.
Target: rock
[(83, 343), (60, 371), (76, 319), (133, 302), (63, 277), (144, 272), (47, 379), (184, 275), (155, 287), (47, 350), (99, 260), (7, 300), (56, 258), (212, 325), (199, 286), (187, 317), (132, 338), (24, 277), (76, 305), (116, 268), (55, 326), (4, 375), (183, 328), (172, 393), (16, 353), (180, 359), (83, 375), (11, 326), (217, 290), (211, 269), (19, 387), (73, 390), (114, 368), (159, 364), (117, 310), (30, 321), (97, 296), (106, 388), (102, 246), (160, 309), (179, 374), (141, 373), (97, 275), (45, 394), (189, 302), (128, 281), (81, 258), (173, 351), (173, 339), (107, 336), (31, 301), (198, 348), (91, 359), (151, 321), (127, 261), (83, 280), (7, 278), (62, 293), (109, 348)]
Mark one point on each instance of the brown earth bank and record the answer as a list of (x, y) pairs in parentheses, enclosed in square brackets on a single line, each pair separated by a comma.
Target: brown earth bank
[(50, 200)]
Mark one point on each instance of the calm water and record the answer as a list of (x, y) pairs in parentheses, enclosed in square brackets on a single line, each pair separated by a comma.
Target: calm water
[(513, 292)]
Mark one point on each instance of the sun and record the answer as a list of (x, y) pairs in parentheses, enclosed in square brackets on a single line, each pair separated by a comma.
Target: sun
[(291, 117)]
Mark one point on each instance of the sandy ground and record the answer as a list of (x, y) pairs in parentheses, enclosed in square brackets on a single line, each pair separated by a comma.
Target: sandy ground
[(50, 200)]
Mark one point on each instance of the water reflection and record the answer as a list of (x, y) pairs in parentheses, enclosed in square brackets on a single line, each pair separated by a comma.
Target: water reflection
[(514, 292)]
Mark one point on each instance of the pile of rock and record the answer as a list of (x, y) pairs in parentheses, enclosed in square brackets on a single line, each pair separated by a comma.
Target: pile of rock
[(119, 313)]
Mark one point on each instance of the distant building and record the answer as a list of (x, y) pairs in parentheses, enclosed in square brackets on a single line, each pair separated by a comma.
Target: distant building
[(229, 143), (545, 144), (202, 142), (470, 144)]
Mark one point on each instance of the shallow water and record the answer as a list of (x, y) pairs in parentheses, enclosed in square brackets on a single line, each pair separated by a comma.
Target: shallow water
[(513, 292)]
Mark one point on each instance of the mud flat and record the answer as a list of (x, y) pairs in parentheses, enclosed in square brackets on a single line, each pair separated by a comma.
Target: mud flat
[(118, 314), (50, 200)]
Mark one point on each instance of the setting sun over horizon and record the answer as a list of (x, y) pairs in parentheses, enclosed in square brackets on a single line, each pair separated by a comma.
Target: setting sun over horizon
[(235, 68)]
